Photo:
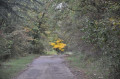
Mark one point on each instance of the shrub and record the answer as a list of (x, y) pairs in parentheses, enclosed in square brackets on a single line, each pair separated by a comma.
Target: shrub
[(58, 45)]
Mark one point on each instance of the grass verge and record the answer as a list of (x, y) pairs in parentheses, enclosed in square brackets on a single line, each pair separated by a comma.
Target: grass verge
[(92, 68), (11, 68), (53, 52)]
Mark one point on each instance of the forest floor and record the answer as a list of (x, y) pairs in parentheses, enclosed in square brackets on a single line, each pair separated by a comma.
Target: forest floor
[(47, 67)]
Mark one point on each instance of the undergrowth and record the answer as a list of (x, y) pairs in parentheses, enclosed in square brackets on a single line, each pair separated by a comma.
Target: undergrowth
[(92, 67)]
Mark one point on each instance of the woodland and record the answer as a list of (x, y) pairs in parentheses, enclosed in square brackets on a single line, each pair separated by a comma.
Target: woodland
[(89, 27)]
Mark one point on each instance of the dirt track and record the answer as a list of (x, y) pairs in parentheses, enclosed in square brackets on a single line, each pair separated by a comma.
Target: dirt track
[(47, 67)]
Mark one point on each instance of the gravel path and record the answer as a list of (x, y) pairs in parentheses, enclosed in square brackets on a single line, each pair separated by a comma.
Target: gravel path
[(47, 67)]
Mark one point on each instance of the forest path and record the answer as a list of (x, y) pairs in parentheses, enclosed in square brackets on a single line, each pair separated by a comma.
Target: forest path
[(47, 67)]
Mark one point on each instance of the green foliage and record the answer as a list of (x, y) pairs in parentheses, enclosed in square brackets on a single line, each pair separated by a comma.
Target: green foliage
[(103, 34), (20, 25), (91, 26), (37, 47), (5, 48)]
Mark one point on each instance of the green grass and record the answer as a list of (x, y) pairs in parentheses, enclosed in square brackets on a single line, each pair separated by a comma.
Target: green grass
[(12, 67), (92, 68), (53, 52)]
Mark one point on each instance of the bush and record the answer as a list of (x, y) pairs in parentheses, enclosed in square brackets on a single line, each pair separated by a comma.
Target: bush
[(37, 47), (5, 48)]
